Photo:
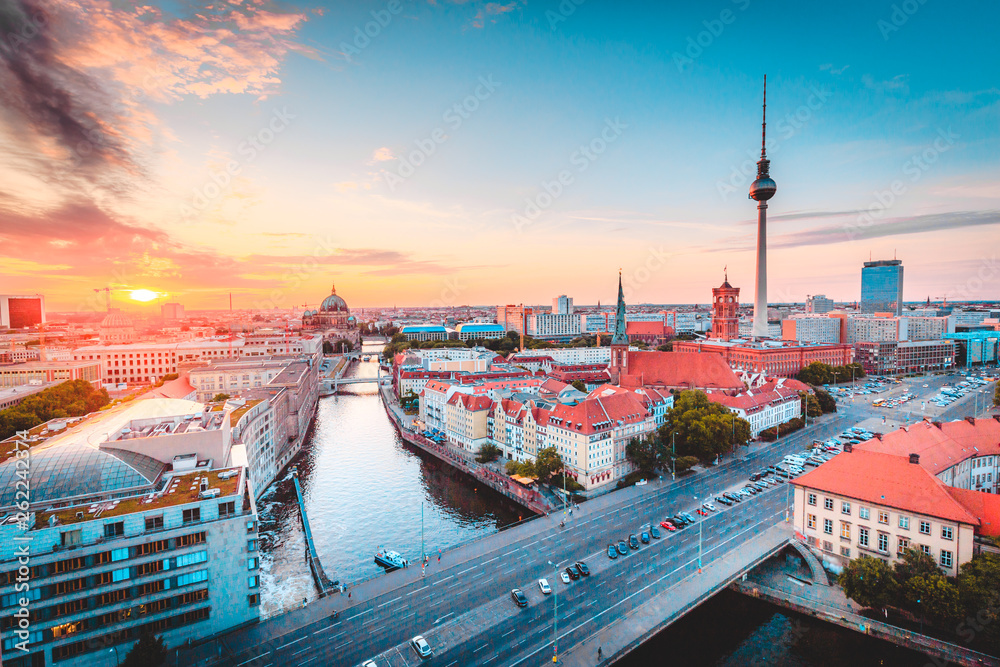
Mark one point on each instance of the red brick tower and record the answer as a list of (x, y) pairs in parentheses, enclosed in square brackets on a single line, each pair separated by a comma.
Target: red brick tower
[(725, 301)]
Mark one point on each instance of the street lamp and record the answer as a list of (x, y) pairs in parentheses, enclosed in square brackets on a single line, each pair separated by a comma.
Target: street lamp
[(115, 649), (555, 613), (673, 456)]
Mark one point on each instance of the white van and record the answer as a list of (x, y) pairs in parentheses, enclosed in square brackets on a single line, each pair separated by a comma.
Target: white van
[(794, 460)]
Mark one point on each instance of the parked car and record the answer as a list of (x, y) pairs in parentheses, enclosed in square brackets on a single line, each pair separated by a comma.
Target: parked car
[(582, 568), (724, 501), (421, 646), (654, 532), (687, 516), (612, 552), (633, 541), (666, 525), (622, 548), (710, 507), (564, 577), (520, 599), (644, 536), (543, 586), (754, 477)]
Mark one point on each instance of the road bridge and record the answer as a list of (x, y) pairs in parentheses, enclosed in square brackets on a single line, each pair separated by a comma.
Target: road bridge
[(462, 603)]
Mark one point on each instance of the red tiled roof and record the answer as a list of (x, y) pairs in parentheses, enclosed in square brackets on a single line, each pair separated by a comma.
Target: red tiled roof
[(471, 403), (748, 401), (645, 328), (553, 386), (889, 480), (986, 506), (941, 445), (680, 369), (179, 388)]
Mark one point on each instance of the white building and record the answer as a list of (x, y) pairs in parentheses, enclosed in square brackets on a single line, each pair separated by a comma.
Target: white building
[(818, 304), (811, 329), (569, 355), (552, 325), (562, 305)]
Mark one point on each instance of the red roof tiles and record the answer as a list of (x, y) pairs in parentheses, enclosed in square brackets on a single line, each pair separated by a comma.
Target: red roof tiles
[(687, 370)]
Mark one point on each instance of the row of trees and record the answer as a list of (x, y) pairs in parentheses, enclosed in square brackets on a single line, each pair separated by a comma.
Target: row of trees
[(819, 374), (696, 429), (338, 346), (967, 606), (72, 398)]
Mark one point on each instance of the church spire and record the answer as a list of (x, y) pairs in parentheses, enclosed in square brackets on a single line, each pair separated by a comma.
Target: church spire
[(620, 337)]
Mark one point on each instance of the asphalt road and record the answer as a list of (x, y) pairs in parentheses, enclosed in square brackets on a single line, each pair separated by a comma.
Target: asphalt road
[(508, 635)]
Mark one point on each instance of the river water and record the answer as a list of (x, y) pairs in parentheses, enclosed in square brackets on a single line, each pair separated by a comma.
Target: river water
[(364, 488)]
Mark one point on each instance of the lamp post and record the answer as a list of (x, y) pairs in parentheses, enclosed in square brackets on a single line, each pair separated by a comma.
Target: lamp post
[(673, 456), (555, 613), (115, 649)]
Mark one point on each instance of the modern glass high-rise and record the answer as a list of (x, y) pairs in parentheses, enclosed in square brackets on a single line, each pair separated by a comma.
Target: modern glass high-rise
[(882, 287)]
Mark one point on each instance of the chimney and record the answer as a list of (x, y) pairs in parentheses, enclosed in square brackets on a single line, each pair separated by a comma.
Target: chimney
[(848, 447), (915, 458)]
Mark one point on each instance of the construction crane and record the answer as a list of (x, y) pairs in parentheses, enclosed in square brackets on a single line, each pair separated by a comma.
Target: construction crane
[(107, 296), (945, 298)]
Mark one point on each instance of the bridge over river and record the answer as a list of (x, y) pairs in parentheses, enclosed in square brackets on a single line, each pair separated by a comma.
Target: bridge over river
[(462, 603)]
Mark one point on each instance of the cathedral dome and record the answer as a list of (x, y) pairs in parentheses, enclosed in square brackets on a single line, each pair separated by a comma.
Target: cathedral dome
[(116, 320), (333, 303)]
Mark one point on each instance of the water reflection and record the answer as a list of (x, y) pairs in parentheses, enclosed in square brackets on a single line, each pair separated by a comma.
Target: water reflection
[(364, 487)]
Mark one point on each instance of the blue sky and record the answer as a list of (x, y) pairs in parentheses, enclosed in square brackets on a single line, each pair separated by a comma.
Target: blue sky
[(863, 99)]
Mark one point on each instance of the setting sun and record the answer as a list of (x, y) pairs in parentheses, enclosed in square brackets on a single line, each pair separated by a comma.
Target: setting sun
[(143, 295)]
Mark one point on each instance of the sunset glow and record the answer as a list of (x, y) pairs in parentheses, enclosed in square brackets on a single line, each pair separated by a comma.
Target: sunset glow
[(143, 295)]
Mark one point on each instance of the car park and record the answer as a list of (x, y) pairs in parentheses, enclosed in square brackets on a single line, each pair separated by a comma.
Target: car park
[(732, 496), (582, 568), (543, 586), (520, 599), (752, 490), (654, 532), (369, 663), (421, 646), (633, 541), (612, 552)]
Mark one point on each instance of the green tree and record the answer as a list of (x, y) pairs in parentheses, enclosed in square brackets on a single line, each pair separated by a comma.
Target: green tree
[(704, 429), (996, 395), (932, 596), (914, 564), (72, 398), (579, 385), (327, 347), (685, 463), (645, 452), (547, 462), (979, 595), (149, 651), (525, 469), (488, 453), (869, 582), (220, 397), (826, 402), (666, 347), (812, 406)]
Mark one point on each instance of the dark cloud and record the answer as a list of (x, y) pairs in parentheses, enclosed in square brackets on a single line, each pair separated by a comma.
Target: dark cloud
[(856, 227)]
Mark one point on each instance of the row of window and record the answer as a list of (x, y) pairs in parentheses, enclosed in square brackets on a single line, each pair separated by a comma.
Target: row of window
[(946, 557), (947, 532), (67, 651)]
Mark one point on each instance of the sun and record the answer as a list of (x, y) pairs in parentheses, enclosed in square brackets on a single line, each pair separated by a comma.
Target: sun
[(143, 295)]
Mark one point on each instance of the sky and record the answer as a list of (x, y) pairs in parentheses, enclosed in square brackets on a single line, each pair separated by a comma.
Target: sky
[(454, 152)]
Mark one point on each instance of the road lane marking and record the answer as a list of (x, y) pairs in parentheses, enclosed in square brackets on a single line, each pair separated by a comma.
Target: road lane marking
[(327, 629), (342, 645), (366, 611), (251, 659), (417, 591), (294, 641), (390, 601), (308, 661), (480, 648), (490, 561), (509, 632), (466, 570), (450, 613), (302, 650)]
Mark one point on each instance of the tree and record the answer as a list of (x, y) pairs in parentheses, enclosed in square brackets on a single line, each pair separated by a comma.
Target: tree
[(704, 429), (579, 385), (645, 452), (220, 397), (826, 402), (547, 462), (869, 582), (488, 453), (327, 347), (149, 651), (978, 591), (932, 596), (812, 406), (72, 398), (685, 463), (996, 395), (409, 400), (666, 347), (524, 468)]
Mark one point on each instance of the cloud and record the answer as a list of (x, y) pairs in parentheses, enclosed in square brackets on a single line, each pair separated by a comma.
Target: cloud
[(492, 9), (376, 262), (382, 155), (828, 67), (898, 82), (918, 224)]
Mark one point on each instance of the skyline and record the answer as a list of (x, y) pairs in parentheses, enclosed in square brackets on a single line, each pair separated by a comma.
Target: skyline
[(117, 137)]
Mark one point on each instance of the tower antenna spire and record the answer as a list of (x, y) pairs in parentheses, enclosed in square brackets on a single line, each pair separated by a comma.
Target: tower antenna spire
[(763, 123)]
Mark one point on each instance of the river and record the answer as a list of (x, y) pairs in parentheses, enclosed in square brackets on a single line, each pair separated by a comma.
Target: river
[(364, 488)]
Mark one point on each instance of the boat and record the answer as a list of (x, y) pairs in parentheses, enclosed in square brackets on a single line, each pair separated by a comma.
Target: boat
[(390, 560)]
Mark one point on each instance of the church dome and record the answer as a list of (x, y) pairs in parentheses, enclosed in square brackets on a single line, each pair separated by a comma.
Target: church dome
[(333, 303), (116, 320)]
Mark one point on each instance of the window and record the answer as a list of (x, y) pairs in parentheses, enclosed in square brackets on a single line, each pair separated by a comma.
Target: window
[(154, 523), (812, 499), (863, 512), (902, 545), (116, 529), (925, 549), (845, 552), (119, 554), (811, 521), (827, 546), (883, 542), (251, 545), (947, 532), (845, 508), (189, 540), (120, 575), (883, 517), (845, 530), (828, 526), (251, 563), (192, 577), (227, 509), (192, 515), (925, 527), (828, 503), (192, 558), (71, 537), (253, 581), (904, 522), (863, 536), (253, 600), (945, 558), (251, 526)]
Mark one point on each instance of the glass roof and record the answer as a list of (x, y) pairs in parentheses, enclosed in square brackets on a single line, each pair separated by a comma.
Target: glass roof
[(76, 469)]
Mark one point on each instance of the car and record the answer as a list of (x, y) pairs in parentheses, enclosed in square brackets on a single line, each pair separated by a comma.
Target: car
[(778, 480), (710, 507), (666, 525), (654, 532), (564, 577), (582, 568), (764, 472), (754, 477), (368, 663), (421, 646), (752, 490), (633, 541), (761, 485), (644, 536), (543, 586), (687, 516), (724, 501), (573, 574), (732, 496), (612, 552), (679, 520), (622, 547), (520, 599)]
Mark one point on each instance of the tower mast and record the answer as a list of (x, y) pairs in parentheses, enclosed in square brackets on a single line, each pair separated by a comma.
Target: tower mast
[(761, 190)]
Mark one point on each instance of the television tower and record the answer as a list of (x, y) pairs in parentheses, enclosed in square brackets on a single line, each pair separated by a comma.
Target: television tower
[(761, 190)]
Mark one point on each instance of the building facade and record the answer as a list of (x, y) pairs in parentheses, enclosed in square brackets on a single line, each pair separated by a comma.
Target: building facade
[(818, 304), (21, 311), (882, 287), (776, 358), (811, 329), (725, 303)]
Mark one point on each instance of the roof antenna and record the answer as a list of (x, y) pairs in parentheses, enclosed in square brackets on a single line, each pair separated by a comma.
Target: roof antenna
[(763, 125)]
